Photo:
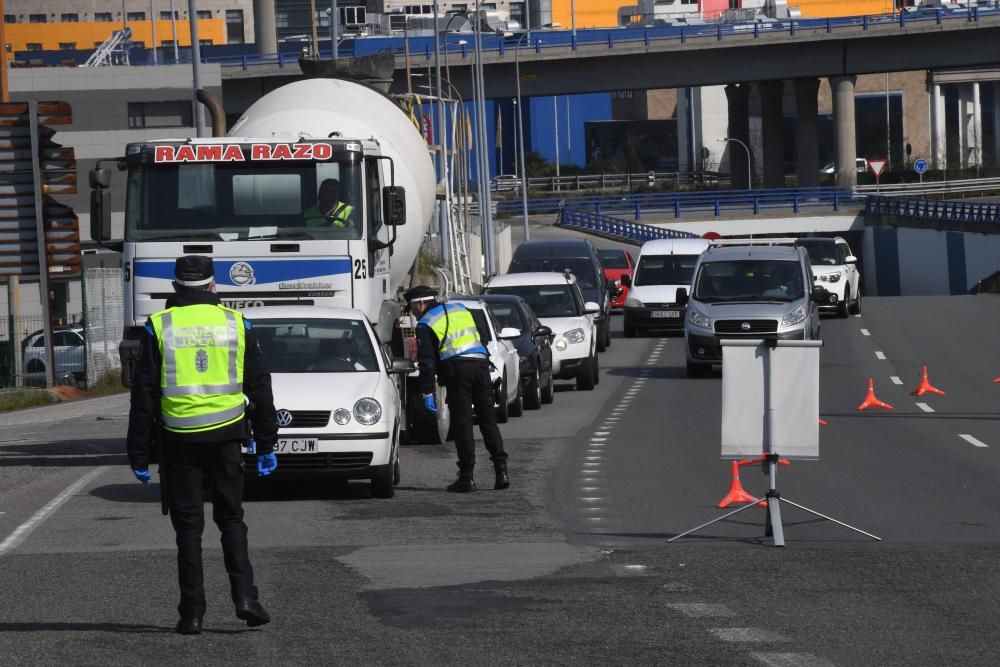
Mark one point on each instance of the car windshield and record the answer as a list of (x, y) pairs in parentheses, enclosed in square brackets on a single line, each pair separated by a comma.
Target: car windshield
[(665, 269), (545, 300), (580, 267), (729, 281), (613, 259), (507, 315), (316, 346), (822, 253)]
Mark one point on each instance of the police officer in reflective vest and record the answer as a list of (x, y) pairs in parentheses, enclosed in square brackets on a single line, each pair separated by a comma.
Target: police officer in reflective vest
[(198, 361), (450, 345)]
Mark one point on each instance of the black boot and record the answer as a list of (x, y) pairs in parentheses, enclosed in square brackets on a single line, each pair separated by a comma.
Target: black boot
[(465, 482), (252, 612), (189, 625), (503, 481)]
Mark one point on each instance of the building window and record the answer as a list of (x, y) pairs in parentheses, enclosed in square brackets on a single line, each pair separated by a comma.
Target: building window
[(281, 18), (159, 114), (517, 13), (352, 16), (102, 17), (204, 14), (37, 18), (136, 44), (168, 43), (204, 42), (459, 8), (67, 46), (135, 16), (165, 16), (33, 46), (69, 18), (322, 18), (9, 18), (234, 26)]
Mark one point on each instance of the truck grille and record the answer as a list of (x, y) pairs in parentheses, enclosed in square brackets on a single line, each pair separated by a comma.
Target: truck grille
[(333, 461), (755, 327), (308, 419)]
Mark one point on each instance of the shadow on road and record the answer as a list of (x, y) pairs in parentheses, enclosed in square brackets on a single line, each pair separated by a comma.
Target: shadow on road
[(651, 372), (128, 493)]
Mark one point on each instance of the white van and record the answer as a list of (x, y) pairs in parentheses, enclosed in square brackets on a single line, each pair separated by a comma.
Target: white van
[(664, 266)]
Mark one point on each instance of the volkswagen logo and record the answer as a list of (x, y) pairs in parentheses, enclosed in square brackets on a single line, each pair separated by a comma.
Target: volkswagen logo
[(241, 273), (745, 326), (284, 418)]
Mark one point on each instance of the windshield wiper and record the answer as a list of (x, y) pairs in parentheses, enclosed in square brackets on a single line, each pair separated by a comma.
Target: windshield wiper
[(187, 236), (303, 236)]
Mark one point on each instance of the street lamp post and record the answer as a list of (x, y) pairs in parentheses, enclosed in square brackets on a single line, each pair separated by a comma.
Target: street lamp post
[(483, 169), (749, 160)]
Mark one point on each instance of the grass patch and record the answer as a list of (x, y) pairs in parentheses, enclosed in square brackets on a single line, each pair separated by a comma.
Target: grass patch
[(25, 398), (109, 383)]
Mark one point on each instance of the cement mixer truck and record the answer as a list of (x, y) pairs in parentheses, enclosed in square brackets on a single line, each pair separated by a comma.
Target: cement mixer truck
[(253, 201)]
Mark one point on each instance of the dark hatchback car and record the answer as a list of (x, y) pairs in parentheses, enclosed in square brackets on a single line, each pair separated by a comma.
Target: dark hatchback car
[(534, 346), (579, 257)]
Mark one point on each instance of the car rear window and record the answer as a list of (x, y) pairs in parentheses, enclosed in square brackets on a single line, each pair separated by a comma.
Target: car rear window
[(580, 267), (545, 300)]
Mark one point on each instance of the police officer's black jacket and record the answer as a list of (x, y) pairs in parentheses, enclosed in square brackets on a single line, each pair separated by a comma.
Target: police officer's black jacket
[(146, 394)]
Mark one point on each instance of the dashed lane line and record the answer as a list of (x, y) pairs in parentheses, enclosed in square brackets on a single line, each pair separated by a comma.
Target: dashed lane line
[(879, 354), (925, 407), (866, 332), (791, 660), (702, 609), (747, 635), (895, 379), (972, 440)]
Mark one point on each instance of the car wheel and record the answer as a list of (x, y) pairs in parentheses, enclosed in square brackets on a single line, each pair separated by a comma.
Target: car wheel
[(842, 306), (585, 376), (503, 408), (607, 332), (697, 370), (533, 396), (549, 390), (600, 339), (517, 407), (382, 483), (597, 370), (395, 473), (856, 306)]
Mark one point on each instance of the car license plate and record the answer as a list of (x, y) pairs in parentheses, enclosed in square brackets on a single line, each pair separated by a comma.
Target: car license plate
[(665, 314), (296, 445)]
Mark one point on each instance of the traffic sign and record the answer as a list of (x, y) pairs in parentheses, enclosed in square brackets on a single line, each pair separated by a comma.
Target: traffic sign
[(876, 167), (920, 165)]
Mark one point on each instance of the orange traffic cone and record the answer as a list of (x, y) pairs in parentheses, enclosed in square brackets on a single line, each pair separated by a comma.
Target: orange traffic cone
[(737, 494), (871, 401), (996, 381), (926, 387)]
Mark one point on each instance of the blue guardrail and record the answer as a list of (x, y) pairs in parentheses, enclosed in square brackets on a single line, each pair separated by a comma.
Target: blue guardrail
[(615, 228), (942, 210)]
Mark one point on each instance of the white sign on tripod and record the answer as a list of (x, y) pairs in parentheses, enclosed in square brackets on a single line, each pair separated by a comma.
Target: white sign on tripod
[(790, 374)]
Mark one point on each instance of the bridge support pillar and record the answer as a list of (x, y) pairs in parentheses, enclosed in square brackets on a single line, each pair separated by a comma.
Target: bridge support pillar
[(996, 123), (844, 129), (806, 132), (265, 27), (938, 155), (738, 98), (772, 95), (976, 140)]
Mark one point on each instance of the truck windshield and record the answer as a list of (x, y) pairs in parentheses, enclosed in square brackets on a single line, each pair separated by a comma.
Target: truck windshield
[(316, 346), (744, 281), (665, 269), (240, 201)]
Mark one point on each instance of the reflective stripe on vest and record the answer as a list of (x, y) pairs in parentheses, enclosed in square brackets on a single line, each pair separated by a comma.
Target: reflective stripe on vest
[(455, 330), (201, 379)]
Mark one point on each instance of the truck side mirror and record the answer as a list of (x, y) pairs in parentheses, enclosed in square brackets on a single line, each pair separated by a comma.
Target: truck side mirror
[(100, 178), (100, 214), (394, 205)]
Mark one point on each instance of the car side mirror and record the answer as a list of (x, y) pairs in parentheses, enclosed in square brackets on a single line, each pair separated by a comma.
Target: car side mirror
[(394, 205), (543, 330), (626, 280), (850, 259), (610, 284), (591, 308), (681, 296), (509, 333), (402, 366), (819, 293)]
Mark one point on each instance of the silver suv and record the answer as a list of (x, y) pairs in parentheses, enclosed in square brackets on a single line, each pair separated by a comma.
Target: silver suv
[(749, 291)]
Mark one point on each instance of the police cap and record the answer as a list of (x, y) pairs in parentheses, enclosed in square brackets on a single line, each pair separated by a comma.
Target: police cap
[(420, 293), (193, 271)]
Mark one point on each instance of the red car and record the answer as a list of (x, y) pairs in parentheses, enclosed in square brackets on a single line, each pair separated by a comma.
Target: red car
[(617, 263)]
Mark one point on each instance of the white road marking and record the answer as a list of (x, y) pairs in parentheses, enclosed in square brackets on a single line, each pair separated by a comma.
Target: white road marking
[(701, 609), (792, 659), (593, 458), (593, 464), (594, 518), (21, 532), (895, 379), (595, 438), (589, 488), (964, 436), (866, 332), (879, 354), (590, 499), (602, 432), (635, 568), (925, 407), (747, 635)]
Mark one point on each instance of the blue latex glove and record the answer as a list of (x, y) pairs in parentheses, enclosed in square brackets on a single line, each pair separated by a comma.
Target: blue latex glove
[(142, 475), (266, 464), (430, 404)]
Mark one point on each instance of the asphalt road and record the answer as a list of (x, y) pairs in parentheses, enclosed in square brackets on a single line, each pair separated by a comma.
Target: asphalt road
[(570, 565)]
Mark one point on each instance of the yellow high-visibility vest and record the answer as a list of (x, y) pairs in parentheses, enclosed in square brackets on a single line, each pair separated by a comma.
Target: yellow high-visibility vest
[(340, 217), (455, 330)]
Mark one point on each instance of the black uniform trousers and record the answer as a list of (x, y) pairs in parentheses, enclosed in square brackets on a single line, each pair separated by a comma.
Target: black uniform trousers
[(214, 470), (468, 384)]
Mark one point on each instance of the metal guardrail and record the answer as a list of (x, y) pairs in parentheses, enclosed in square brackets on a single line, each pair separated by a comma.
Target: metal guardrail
[(615, 228), (941, 210), (932, 187), (604, 181), (715, 202)]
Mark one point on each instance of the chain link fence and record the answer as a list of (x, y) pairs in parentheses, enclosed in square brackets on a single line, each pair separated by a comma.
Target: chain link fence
[(104, 323), (23, 359)]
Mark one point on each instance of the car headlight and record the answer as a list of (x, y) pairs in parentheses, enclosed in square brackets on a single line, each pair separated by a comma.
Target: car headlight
[(367, 411), (794, 317), (698, 318), (633, 303), (575, 336), (830, 277), (341, 416)]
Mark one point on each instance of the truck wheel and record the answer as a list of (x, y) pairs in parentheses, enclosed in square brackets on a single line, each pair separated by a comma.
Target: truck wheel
[(533, 395), (517, 407), (503, 408), (585, 376)]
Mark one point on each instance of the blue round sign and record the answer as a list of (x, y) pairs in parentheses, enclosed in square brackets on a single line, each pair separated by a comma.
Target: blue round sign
[(920, 165)]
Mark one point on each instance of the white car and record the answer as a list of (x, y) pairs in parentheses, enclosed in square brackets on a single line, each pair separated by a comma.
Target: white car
[(559, 305), (505, 371), (835, 268), (338, 401)]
